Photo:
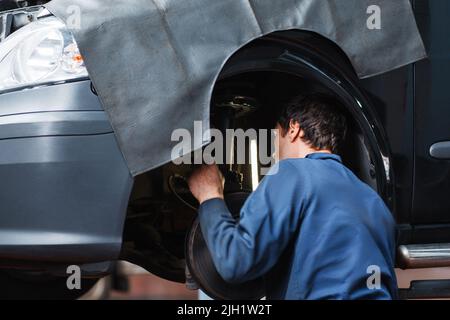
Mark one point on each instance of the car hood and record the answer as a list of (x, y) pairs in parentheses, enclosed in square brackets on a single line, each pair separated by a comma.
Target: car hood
[(154, 63)]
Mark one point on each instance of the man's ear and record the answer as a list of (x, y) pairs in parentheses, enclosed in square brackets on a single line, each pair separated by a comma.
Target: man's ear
[(294, 130)]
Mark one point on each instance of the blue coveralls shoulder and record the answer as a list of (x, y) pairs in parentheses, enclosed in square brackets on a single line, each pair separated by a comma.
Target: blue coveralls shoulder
[(312, 229)]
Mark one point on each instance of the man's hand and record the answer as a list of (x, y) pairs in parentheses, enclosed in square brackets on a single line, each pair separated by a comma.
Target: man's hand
[(206, 183)]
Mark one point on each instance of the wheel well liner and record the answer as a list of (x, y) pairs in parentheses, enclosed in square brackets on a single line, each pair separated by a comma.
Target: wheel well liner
[(311, 55)]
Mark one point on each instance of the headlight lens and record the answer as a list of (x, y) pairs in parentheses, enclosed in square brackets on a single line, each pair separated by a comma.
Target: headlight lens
[(41, 52)]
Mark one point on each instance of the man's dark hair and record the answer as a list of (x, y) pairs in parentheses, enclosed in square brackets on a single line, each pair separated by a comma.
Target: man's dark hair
[(321, 119)]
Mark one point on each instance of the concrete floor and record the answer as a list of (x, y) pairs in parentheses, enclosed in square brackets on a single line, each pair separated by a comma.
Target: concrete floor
[(148, 286)]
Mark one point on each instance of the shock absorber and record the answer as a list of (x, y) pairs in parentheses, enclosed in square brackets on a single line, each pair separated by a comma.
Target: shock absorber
[(226, 110), (226, 120)]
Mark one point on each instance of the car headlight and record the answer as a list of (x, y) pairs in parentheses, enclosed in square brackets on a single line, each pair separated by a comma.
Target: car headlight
[(44, 51)]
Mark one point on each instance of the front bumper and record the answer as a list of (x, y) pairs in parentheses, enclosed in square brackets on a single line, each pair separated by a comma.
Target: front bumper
[(64, 185)]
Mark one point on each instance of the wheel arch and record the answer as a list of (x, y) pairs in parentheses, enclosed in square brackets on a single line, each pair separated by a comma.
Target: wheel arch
[(310, 54)]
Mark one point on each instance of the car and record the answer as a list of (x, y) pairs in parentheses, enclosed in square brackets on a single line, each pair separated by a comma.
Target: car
[(67, 196)]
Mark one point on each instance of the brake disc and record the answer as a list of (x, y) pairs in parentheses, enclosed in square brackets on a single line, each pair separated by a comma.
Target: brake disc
[(202, 269)]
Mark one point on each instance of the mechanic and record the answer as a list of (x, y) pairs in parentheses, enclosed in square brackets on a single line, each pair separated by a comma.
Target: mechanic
[(312, 229)]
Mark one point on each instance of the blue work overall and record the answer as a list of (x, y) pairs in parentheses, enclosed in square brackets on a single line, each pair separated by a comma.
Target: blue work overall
[(313, 230)]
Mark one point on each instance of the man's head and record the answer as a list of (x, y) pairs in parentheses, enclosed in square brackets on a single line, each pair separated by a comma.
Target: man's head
[(314, 123)]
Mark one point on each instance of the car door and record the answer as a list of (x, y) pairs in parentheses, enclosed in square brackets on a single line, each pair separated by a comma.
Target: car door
[(431, 194)]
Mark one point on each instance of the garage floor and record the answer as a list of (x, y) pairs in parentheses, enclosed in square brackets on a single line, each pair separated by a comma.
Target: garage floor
[(144, 285)]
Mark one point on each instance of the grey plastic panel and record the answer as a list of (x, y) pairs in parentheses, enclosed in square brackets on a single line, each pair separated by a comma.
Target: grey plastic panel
[(73, 96), (64, 185), (54, 123)]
